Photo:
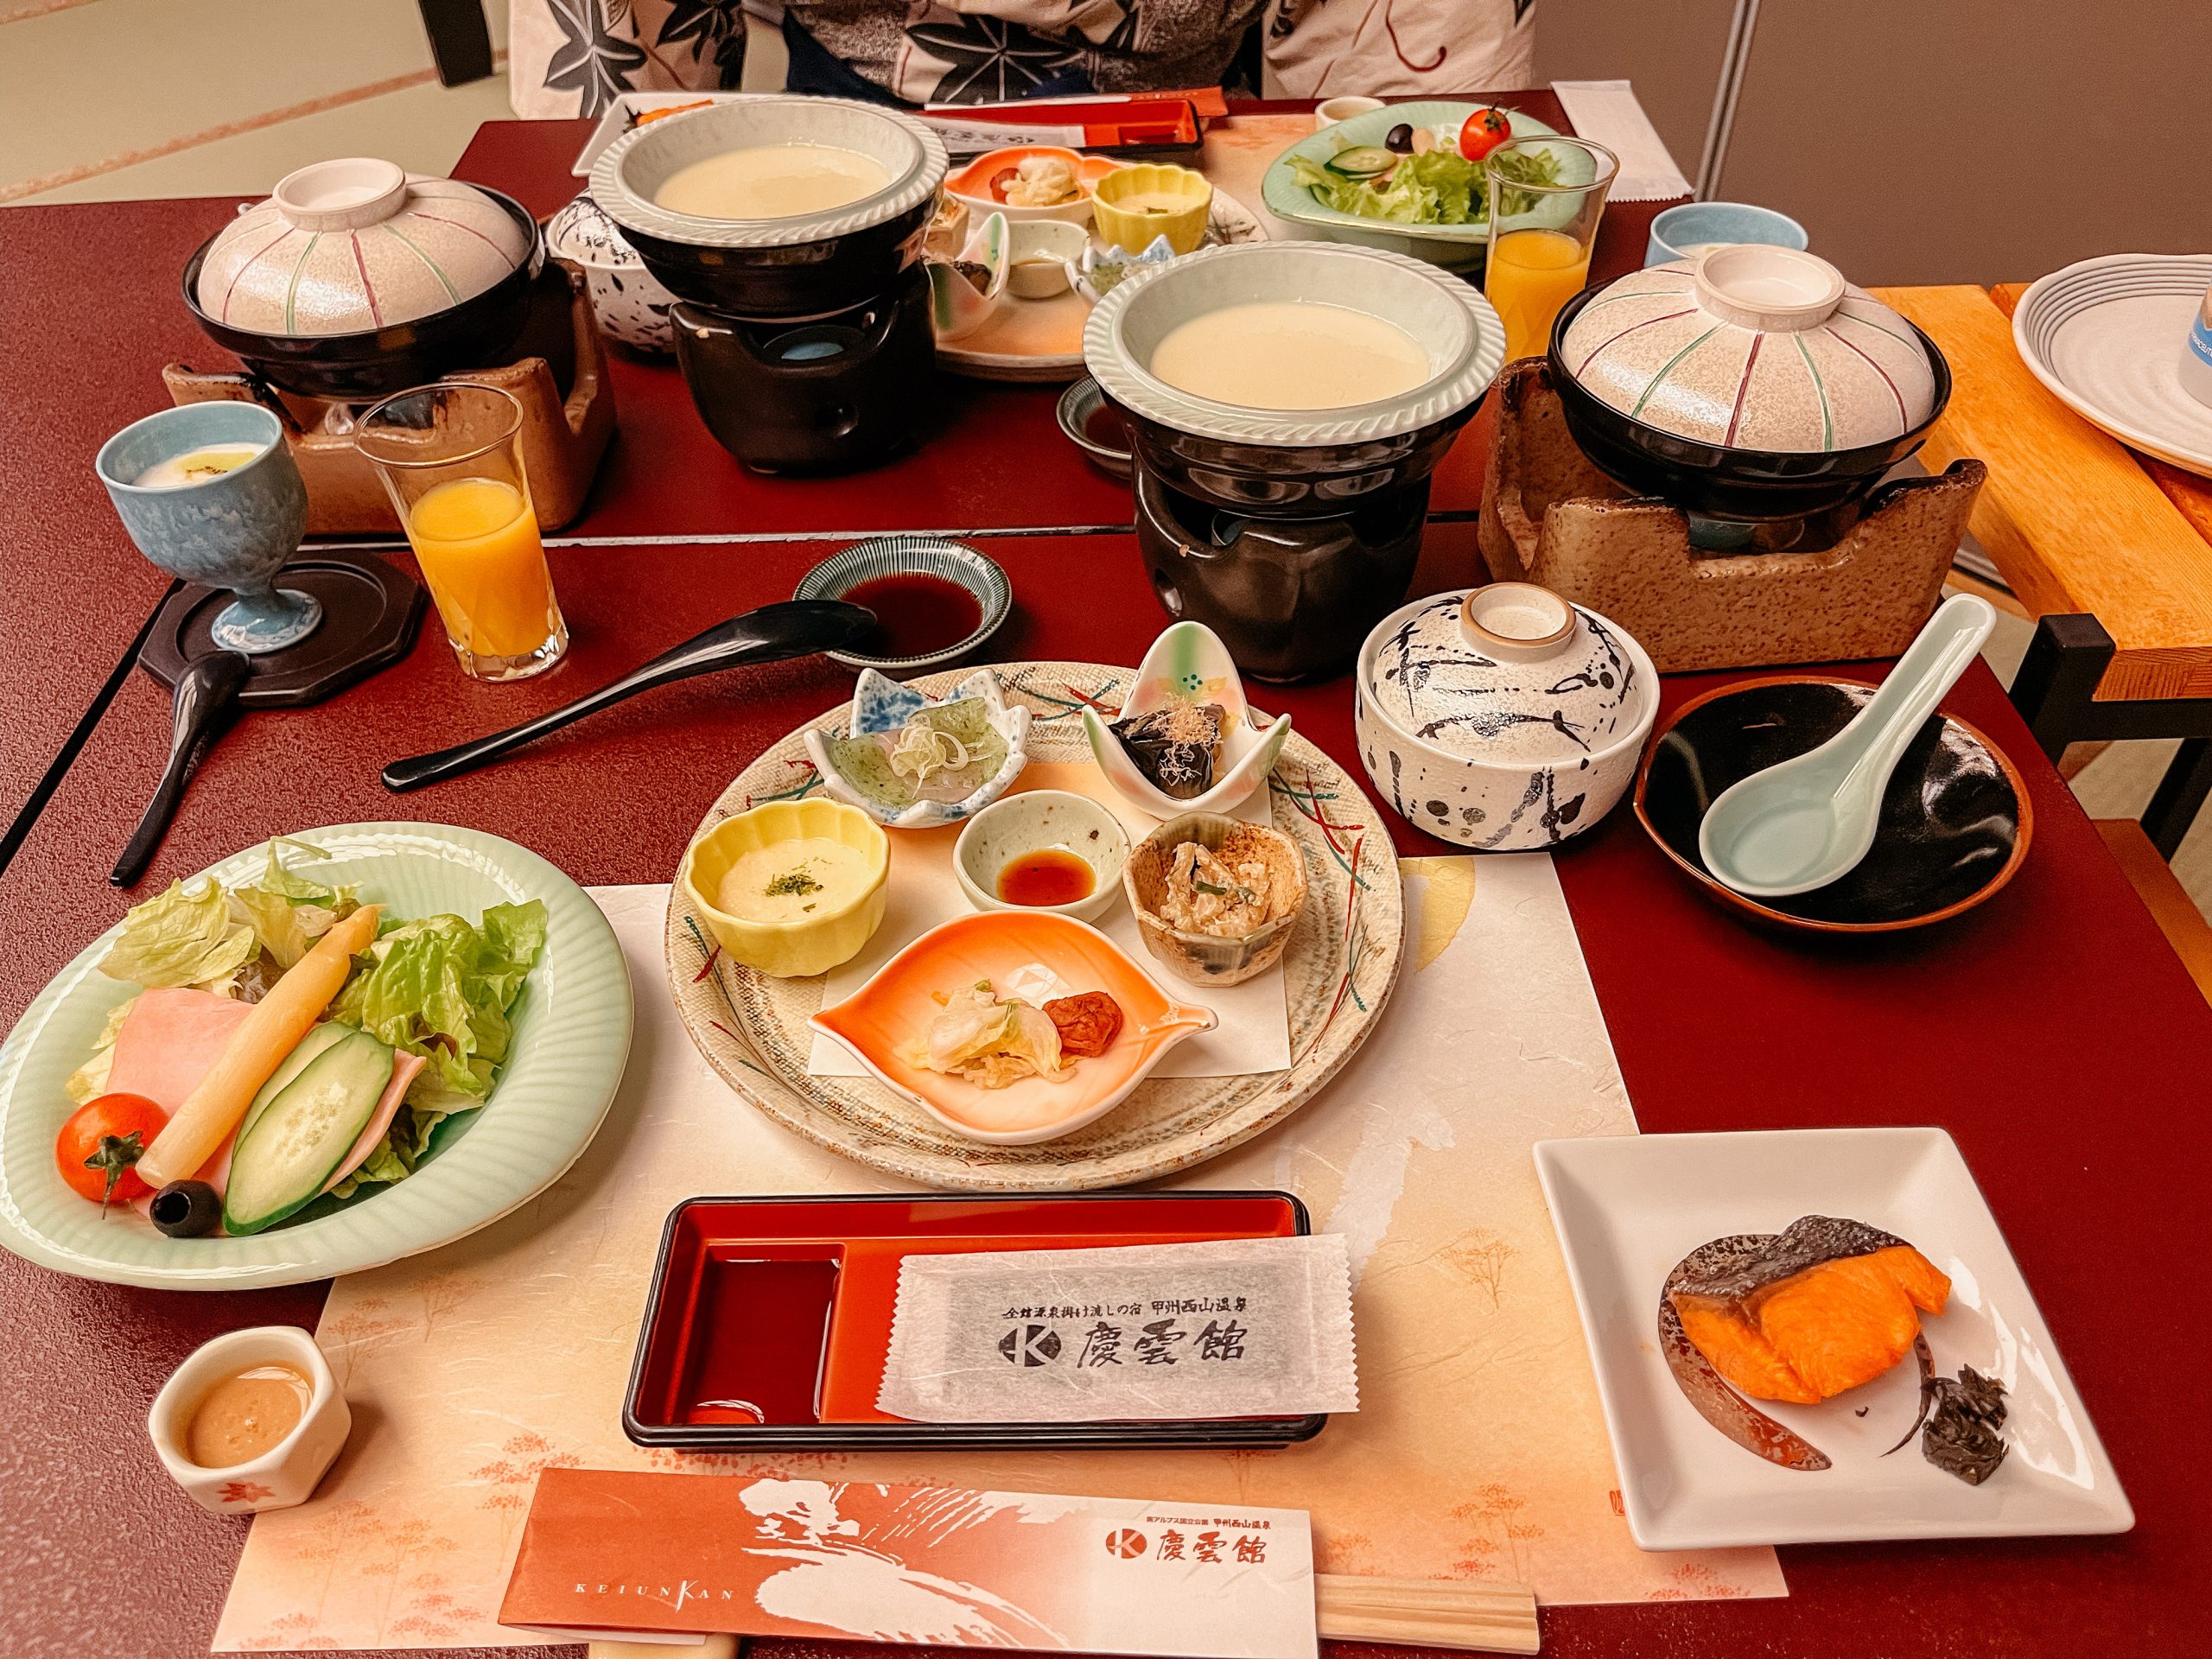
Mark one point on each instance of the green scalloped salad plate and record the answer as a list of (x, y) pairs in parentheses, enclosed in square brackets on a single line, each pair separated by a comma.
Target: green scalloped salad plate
[(571, 1040)]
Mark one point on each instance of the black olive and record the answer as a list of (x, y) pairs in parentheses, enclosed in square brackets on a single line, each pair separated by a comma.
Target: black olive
[(1400, 138), (185, 1209)]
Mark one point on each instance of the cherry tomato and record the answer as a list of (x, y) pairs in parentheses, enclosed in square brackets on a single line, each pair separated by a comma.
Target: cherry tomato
[(1485, 129), (101, 1141)]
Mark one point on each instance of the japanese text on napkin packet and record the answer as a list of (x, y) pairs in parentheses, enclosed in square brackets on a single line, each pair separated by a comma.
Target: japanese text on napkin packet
[(661, 1555), (1228, 1328)]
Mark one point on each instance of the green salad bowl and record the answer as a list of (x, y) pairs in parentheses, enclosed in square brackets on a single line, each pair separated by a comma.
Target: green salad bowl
[(1456, 247), (571, 1040)]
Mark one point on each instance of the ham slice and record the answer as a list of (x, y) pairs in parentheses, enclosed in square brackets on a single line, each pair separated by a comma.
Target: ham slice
[(169, 1039)]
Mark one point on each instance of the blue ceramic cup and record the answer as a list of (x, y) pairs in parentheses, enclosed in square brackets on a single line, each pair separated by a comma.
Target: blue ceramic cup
[(233, 530), (1694, 224)]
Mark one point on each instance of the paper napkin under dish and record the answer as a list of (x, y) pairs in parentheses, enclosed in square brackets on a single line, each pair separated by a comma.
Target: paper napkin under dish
[(1254, 1034), (1608, 113)]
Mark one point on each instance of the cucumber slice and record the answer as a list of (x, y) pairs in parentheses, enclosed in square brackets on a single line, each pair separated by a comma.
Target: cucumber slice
[(1361, 162), (302, 1137), (318, 1038)]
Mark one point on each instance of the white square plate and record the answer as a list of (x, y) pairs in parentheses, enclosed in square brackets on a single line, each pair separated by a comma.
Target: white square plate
[(1629, 1208)]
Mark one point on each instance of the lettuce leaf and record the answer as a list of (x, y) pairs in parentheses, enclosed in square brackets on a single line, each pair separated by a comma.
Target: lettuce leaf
[(1439, 186), (287, 911), (89, 1081), (181, 938), (210, 937), (441, 988)]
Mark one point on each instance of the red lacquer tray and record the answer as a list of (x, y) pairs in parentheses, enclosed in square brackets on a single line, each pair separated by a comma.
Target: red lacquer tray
[(769, 1318)]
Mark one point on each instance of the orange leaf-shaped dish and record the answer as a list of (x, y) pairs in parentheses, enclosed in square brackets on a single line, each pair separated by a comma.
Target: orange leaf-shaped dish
[(886, 1023)]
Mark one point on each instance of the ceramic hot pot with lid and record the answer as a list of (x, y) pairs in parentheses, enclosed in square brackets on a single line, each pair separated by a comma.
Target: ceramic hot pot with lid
[(1750, 385), (807, 265), (354, 280), (1502, 717), (1289, 531)]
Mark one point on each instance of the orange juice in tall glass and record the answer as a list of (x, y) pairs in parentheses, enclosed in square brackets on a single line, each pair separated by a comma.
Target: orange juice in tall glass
[(449, 458), (1532, 274), (1544, 224)]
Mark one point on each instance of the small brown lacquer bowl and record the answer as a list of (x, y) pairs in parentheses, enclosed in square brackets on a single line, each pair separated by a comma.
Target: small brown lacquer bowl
[(1955, 819)]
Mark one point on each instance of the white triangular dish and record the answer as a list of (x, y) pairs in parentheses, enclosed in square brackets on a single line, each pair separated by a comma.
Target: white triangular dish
[(1188, 660)]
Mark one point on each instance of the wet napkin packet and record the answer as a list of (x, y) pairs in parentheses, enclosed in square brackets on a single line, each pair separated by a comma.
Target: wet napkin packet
[(609, 1554), (1247, 1327)]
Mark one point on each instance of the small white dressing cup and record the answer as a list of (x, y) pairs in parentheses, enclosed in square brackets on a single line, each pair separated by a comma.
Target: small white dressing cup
[(1330, 110), (289, 1471)]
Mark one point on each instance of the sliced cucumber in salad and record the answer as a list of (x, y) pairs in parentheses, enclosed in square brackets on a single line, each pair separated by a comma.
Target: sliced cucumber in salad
[(1361, 162), (287, 1153)]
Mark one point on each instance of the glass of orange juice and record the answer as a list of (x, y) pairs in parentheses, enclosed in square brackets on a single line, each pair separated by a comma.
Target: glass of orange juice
[(1541, 234), (450, 458)]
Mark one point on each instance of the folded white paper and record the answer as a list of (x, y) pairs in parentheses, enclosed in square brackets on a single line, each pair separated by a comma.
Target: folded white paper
[(1608, 112), (1247, 1327)]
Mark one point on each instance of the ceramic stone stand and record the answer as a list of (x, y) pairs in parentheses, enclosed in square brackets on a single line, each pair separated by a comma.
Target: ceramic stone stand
[(1857, 582), (564, 432)]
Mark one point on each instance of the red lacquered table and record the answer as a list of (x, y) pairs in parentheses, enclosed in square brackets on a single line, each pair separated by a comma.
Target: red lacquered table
[(2052, 1032)]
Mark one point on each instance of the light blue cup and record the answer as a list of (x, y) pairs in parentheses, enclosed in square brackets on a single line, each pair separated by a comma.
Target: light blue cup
[(234, 532), (1697, 222)]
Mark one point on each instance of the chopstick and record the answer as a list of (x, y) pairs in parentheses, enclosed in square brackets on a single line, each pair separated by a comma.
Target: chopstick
[(1481, 1618), (1485, 1617)]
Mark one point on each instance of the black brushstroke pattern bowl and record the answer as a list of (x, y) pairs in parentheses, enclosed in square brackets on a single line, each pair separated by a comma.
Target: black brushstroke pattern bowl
[(1955, 819)]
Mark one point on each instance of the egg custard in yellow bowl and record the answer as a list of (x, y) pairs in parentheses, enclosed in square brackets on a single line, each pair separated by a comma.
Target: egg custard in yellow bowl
[(790, 888), (1132, 205)]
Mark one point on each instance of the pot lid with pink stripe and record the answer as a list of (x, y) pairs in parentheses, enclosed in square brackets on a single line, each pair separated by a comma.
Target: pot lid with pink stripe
[(344, 247), (1752, 347)]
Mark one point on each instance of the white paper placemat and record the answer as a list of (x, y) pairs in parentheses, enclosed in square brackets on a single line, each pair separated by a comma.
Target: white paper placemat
[(1608, 112), (1254, 1034), (1478, 1451)]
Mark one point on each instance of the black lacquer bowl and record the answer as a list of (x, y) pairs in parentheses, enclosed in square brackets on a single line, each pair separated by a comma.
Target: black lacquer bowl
[(473, 333), (1955, 819), (1718, 481)]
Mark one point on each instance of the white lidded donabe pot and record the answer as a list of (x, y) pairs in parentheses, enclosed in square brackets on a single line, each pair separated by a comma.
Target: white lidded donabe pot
[(1502, 718)]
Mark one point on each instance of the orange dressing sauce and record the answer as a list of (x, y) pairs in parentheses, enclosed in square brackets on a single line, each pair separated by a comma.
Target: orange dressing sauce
[(245, 1414), (1051, 875)]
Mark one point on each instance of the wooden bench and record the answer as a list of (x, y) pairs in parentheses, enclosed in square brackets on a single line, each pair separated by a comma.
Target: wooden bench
[(2111, 551)]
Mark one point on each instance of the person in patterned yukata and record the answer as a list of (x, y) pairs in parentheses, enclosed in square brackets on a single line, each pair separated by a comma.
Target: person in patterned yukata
[(573, 57)]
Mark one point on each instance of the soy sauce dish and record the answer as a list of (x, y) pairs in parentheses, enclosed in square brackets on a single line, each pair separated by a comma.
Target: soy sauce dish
[(1045, 849), (935, 600), (1955, 820)]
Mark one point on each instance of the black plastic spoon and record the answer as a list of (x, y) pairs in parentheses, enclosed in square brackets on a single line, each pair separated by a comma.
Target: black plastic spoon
[(795, 627), (206, 700)]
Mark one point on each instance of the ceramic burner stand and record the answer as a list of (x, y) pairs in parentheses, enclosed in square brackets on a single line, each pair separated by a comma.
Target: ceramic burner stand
[(1292, 597)]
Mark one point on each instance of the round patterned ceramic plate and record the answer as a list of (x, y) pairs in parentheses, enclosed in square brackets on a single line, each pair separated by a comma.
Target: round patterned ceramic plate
[(1342, 962), (1042, 339), (571, 1040)]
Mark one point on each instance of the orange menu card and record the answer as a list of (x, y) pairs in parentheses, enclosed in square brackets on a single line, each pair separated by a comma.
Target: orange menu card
[(611, 1554)]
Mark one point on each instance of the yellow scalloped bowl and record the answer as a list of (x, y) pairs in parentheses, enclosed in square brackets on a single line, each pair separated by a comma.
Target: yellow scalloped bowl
[(1118, 226), (888, 1018), (788, 950)]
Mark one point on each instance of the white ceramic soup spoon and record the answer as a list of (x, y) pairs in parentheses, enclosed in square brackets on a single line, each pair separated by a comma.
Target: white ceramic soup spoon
[(1809, 821)]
